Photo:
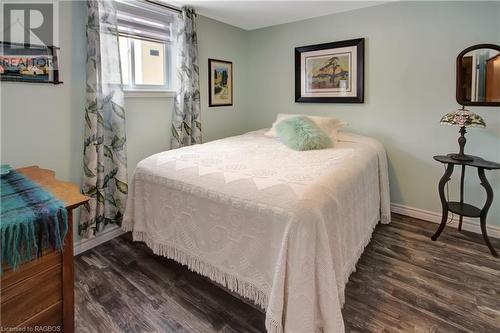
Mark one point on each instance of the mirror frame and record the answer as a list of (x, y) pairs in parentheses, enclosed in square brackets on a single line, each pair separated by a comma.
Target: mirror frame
[(460, 98)]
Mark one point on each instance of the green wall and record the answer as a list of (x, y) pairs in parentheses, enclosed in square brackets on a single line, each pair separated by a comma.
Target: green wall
[(410, 54), (42, 124)]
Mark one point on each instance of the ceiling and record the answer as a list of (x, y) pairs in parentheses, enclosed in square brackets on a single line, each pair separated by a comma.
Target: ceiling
[(250, 15)]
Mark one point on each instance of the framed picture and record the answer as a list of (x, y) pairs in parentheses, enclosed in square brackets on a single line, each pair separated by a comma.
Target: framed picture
[(220, 82), (29, 63), (330, 72)]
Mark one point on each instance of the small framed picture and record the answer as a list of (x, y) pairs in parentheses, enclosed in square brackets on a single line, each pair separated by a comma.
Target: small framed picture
[(29, 63), (330, 72), (220, 82)]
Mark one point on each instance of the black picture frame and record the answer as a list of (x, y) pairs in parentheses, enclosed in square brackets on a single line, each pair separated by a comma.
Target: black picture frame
[(211, 102), (13, 73), (359, 43)]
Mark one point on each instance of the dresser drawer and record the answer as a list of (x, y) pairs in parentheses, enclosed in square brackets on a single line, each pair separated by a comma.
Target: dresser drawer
[(29, 269), (31, 295), (51, 318)]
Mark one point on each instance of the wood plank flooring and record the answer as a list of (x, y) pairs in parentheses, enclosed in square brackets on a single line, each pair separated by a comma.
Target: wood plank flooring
[(404, 283)]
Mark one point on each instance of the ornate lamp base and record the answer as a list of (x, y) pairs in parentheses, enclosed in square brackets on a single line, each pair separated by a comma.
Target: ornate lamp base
[(461, 142)]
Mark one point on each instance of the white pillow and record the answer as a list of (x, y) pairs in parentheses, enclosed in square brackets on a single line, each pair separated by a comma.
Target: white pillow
[(329, 125)]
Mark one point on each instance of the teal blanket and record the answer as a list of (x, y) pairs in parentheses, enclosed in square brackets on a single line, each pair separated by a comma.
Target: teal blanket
[(31, 220)]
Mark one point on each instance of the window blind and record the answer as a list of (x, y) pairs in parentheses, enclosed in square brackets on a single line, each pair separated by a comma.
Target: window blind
[(138, 19)]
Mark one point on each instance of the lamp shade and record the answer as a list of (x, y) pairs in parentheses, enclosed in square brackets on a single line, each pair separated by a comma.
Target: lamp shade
[(463, 118)]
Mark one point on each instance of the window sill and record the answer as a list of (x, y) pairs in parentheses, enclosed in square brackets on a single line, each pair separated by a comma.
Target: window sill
[(148, 94)]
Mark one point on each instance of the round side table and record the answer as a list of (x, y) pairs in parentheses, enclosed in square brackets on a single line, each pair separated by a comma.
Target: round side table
[(459, 207)]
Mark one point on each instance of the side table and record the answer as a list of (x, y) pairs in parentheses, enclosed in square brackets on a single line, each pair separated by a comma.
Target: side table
[(460, 208)]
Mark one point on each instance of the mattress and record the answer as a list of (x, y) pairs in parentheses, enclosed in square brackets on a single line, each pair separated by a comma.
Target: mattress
[(282, 228)]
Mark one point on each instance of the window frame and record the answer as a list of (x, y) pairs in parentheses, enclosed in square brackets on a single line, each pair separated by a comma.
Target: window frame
[(168, 76)]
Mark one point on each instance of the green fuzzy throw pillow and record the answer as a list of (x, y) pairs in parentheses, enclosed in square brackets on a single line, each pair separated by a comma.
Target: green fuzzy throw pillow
[(301, 133)]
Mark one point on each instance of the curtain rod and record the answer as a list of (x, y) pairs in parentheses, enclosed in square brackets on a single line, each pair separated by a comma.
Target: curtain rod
[(164, 5)]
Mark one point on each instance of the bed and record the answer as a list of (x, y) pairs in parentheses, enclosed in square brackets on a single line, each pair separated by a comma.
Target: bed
[(282, 228)]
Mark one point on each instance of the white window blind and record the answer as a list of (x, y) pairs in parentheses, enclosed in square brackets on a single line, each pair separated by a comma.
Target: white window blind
[(146, 46), (141, 20)]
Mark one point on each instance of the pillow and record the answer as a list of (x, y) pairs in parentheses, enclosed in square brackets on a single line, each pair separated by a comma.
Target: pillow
[(301, 133), (329, 125)]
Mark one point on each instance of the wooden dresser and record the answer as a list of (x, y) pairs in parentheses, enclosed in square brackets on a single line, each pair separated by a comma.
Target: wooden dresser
[(39, 295)]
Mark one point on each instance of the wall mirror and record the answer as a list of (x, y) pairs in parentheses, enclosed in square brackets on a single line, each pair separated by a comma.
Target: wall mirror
[(478, 75)]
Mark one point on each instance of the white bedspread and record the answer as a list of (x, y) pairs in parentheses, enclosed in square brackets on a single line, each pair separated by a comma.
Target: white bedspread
[(280, 227)]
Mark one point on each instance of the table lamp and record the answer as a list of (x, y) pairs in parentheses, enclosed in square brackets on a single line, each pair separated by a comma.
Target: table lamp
[(463, 118)]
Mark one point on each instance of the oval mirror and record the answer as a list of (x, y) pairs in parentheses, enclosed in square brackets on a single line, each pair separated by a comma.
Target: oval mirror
[(478, 75)]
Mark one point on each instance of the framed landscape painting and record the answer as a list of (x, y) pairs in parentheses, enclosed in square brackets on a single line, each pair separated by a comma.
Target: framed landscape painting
[(330, 72), (220, 82)]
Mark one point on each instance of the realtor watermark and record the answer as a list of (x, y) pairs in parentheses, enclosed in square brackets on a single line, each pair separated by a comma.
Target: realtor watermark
[(27, 61), (28, 41), (29, 23)]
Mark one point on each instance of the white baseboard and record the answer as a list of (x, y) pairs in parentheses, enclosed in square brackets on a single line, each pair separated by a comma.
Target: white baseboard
[(469, 224), (106, 235)]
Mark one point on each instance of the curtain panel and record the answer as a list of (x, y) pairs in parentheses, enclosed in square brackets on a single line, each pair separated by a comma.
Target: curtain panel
[(186, 120), (104, 151)]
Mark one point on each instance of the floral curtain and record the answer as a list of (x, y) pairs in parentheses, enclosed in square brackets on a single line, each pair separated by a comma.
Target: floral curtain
[(186, 120), (104, 152)]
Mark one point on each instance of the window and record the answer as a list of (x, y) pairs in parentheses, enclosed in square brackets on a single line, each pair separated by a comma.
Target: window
[(145, 43)]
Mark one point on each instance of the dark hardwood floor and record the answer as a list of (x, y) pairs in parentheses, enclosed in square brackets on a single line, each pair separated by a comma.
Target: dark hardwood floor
[(404, 283)]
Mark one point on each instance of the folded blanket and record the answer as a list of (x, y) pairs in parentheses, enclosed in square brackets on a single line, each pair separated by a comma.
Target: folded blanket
[(31, 220)]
